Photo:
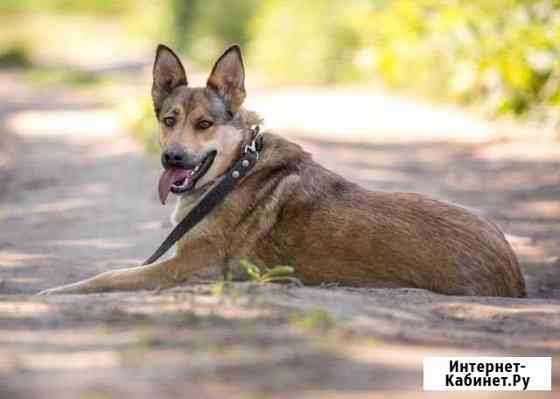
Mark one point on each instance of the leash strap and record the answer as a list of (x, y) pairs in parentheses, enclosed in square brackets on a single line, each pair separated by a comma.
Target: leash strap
[(215, 196)]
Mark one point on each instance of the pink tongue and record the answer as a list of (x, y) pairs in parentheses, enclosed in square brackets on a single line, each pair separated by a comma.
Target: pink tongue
[(167, 179)]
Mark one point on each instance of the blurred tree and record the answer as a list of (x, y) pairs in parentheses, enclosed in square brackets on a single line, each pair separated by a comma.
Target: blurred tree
[(203, 28), (501, 54), (108, 7), (184, 14)]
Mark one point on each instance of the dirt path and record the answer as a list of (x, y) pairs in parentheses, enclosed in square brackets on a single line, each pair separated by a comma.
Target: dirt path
[(74, 203)]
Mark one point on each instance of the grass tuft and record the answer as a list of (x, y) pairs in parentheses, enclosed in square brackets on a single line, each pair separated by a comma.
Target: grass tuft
[(15, 55), (313, 319), (272, 275)]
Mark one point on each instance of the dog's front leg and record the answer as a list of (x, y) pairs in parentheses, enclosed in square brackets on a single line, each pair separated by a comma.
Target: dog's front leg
[(164, 274)]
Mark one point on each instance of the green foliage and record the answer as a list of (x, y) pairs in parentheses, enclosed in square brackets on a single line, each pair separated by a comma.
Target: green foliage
[(298, 41), (499, 54), (226, 288), (313, 319), (139, 119), (15, 54), (502, 54), (203, 28), (275, 274), (66, 6), (256, 276), (62, 75)]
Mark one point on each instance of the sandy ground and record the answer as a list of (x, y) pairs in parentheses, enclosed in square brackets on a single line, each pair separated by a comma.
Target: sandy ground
[(77, 198)]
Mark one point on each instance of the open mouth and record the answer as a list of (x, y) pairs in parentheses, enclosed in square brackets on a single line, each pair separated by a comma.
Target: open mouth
[(179, 180)]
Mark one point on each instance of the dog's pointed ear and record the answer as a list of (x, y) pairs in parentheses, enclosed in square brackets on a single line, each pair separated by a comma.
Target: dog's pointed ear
[(227, 78), (168, 73)]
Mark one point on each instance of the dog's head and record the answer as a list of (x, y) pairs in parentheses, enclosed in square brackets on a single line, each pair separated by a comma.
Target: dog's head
[(201, 128)]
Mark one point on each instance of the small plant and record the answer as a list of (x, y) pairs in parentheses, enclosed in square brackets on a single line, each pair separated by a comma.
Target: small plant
[(16, 55), (275, 274), (220, 287), (225, 287), (313, 319)]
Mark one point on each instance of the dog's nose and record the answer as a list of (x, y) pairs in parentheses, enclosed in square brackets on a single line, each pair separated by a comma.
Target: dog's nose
[(175, 157)]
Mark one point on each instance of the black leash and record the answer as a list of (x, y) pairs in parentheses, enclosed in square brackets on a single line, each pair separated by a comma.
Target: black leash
[(215, 196)]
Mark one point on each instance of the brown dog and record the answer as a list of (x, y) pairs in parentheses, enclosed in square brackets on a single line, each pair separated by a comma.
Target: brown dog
[(291, 210)]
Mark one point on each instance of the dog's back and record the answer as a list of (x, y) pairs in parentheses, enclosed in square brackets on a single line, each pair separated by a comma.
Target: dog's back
[(332, 230)]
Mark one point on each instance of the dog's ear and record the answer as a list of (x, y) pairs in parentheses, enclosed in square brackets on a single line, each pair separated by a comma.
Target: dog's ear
[(168, 73), (227, 78)]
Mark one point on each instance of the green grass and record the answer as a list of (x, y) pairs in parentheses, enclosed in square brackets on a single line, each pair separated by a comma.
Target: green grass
[(313, 319), (62, 75), (255, 276), (273, 275), (15, 55)]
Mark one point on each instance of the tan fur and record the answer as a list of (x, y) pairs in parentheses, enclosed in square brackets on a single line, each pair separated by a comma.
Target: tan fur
[(289, 210)]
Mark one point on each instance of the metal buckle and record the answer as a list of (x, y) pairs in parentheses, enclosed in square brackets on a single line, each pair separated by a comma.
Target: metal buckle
[(253, 146)]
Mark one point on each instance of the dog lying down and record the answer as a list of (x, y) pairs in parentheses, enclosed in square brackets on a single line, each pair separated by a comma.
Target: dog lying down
[(287, 209)]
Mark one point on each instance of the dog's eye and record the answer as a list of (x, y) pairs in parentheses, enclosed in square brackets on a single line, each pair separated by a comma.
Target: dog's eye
[(204, 124), (169, 121)]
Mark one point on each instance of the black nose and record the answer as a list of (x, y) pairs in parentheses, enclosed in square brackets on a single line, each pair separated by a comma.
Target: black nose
[(175, 157)]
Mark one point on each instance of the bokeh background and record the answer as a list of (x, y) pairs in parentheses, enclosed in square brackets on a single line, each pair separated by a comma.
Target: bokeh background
[(454, 99), (499, 57)]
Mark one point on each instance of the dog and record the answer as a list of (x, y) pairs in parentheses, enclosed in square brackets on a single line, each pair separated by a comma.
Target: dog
[(290, 210)]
